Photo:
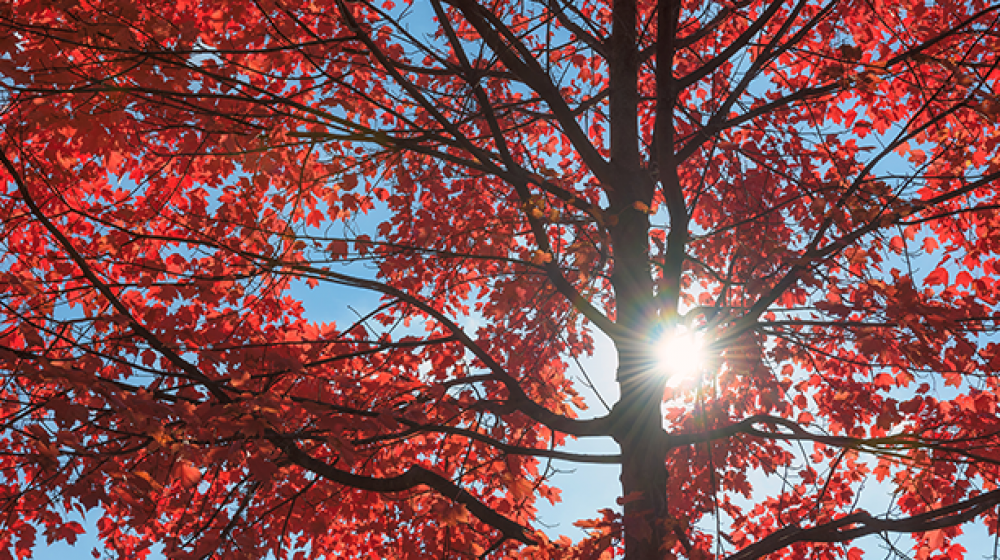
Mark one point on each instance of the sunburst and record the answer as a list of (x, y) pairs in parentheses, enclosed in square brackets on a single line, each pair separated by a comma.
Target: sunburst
[(680, 355)]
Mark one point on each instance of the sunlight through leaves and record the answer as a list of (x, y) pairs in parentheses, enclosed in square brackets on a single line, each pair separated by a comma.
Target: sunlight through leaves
[(680, 354)]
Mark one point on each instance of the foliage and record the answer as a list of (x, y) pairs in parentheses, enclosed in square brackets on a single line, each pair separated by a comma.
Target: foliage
[(810, 186)]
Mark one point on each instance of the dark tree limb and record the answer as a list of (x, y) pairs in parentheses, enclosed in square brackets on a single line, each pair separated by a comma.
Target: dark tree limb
[(862, 523), (414, 477)]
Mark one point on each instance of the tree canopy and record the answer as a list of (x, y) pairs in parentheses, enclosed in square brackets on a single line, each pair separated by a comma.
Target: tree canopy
[(807, 190)]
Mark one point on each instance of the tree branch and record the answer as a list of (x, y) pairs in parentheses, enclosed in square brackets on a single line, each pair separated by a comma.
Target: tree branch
[(413, 477), (863, 523)]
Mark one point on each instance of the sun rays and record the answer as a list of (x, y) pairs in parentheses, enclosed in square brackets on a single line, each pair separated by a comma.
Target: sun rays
[(680, 355)]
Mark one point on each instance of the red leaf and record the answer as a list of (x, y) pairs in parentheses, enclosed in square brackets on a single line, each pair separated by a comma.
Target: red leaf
[(938, 276), (930, 244)]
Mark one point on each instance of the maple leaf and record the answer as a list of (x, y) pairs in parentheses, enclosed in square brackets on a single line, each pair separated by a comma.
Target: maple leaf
[(187, 474)]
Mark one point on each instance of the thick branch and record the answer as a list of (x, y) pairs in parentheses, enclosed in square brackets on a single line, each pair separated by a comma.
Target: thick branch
[(863, 523), (518, 399), (739, 43), (522, 62), (414, 476)]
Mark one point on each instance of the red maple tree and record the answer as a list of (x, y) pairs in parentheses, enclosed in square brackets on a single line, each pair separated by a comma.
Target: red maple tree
[(808, 187)]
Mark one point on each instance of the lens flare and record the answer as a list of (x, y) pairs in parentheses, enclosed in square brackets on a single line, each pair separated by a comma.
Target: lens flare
[(680, 355)]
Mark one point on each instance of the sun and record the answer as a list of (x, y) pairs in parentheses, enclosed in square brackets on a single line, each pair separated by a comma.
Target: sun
[(680, 354)]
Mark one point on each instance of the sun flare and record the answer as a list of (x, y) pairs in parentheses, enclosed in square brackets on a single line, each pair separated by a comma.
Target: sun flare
[(680, 355)]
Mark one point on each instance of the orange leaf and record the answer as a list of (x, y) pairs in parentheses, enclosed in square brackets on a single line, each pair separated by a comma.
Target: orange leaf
[(187, 474)]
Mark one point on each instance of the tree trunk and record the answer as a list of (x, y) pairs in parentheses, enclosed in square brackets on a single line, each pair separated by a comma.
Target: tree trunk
[(640, 434), (638, 427), (639, 424)]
